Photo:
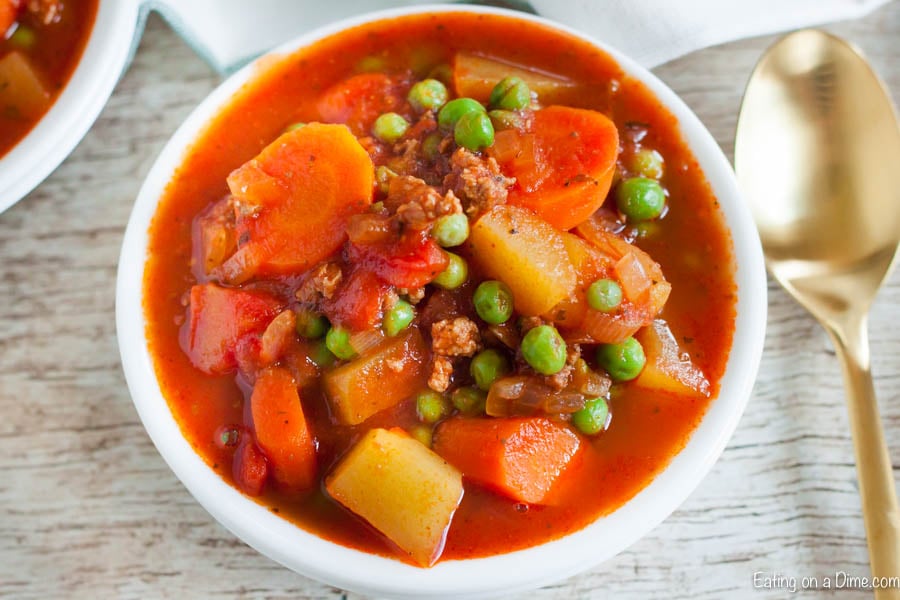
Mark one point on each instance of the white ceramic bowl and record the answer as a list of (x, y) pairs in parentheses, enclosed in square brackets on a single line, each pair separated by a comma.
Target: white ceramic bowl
[(76, 108), (504, 574)]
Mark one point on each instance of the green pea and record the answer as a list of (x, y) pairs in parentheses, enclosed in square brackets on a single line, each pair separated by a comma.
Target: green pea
[(428, 94), (338, 341), (647, 163), (487, 366), (430, 145), (544, 349), (422, 434), (398, 318), (443, 72), (383, 177), (506, 119), (453, 111), (604, 295), (474, 131), (294, 127), (647, 229), (311, 325), (431, 407), (390, 127), (469, 400), (454, 275), (592, 418), (640, 198), (371, 64), (623, 361), (451, 230), (511, 94), (493, 301), (321, 355), (24, 37)]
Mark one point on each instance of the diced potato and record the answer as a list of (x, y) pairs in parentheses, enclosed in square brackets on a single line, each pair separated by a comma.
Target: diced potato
[(512, 244), (668, 369), (388, 375), (21, 87), (475, 76), (403, 489)]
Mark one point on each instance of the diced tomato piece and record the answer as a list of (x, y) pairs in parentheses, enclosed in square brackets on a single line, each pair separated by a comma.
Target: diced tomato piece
[(564, 167), (410, 263), (219, 319), (282, 431), (357, 303), (294, 200), (249, 468), (358, 100)]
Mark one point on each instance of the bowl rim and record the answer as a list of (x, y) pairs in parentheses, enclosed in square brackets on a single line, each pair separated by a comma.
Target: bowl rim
[(361, 572), (62, 127)]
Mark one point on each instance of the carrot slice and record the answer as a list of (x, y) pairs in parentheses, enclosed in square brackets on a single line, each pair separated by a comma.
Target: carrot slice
[(566, 165), (219, 319), (282, 432), (295, 198), (520, 457)]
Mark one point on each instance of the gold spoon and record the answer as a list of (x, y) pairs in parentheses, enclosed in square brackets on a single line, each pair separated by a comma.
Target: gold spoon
[(817, 156)]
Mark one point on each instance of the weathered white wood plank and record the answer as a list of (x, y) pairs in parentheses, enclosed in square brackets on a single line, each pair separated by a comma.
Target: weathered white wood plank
[(89, 509)]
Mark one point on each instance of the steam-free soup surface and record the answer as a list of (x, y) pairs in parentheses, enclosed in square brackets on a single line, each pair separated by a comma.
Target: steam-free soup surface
[(356, 241)]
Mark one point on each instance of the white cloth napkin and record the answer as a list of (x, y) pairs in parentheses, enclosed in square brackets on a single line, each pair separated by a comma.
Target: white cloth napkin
[(656, 31), (228, 33)]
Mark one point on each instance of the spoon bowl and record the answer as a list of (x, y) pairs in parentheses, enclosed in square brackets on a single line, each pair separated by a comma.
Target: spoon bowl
[(817, 155)]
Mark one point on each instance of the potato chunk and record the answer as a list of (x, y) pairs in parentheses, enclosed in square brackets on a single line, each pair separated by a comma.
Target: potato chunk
[(475, 76), (525, 252), (390, 374), (21, 89), (403, 489), (668, 369)]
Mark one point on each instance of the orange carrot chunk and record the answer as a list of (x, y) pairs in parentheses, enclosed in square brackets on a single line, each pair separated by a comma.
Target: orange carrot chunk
[(294, 199), (282, 432), (519, 457), (564, 168)]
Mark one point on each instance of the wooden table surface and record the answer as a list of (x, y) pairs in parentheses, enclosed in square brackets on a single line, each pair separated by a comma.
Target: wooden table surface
[(88, 509)]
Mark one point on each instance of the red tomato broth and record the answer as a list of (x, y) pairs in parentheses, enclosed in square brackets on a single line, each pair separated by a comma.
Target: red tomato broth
[(646, 430), (54, 56)]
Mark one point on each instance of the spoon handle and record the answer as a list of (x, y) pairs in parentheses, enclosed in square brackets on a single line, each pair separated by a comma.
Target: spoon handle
[(873, 463)]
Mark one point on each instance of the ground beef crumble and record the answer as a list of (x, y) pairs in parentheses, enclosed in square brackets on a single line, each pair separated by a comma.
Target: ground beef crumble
[(441, 371), (455, 337), (562, 379), (322, 282), (477, 181), (414, 295), (417, 204)]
